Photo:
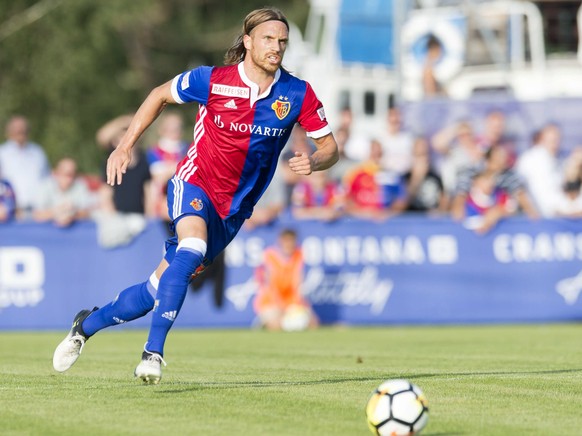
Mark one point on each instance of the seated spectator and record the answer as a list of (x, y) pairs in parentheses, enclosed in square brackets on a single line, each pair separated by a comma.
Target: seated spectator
[(494, 133), (279, 304), (355, 144), (374, 192), (23, 164), (424, 186), (485, 204), (397, 144), (7, 202), (497, 161), (572, 171), (569, 203), (541, 171), (271, 204), (298, 143), (457, 149), (163, 157), (317, 197), (123, 208), (345, 164), (63, 198), (133, 195)]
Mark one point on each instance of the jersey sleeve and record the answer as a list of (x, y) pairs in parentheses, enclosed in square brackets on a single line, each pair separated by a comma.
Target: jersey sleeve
[(192, 86), (312, 116)]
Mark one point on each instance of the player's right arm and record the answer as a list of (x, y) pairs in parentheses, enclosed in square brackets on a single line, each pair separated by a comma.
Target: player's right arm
[(147, 113), (324, 157)]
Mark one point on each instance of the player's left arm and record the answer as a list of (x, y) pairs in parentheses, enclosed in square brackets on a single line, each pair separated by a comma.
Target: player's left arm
[(324, 157), (313, 120)]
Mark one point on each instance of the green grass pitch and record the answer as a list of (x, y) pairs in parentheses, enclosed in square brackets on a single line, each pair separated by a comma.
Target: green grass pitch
[(483, 380)]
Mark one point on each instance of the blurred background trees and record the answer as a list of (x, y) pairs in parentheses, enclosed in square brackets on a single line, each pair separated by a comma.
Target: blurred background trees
[(71, 65)]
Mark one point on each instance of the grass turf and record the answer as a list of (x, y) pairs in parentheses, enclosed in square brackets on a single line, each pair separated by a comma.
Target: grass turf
[(495, 380)]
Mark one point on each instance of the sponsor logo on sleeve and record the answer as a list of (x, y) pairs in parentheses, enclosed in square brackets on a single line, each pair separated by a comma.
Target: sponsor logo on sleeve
[(185, 81), (321, 113)]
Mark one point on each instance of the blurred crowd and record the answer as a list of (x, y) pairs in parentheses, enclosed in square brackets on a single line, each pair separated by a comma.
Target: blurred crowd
[(476, 177)]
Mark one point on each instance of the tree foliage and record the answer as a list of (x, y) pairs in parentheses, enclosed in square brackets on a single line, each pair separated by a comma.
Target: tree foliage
[(71, 65)]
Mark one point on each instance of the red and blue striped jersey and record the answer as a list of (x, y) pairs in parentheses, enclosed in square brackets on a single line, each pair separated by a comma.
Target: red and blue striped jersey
[(239, 134)]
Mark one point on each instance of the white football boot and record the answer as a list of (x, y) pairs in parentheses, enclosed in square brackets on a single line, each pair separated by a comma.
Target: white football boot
[(69, 350), (149, 369)]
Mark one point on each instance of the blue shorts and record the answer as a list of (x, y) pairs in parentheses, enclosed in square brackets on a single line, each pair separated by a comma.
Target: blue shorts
[(185, 199)]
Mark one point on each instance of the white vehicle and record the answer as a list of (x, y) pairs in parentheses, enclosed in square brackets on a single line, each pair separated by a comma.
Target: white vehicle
[(367, 53)]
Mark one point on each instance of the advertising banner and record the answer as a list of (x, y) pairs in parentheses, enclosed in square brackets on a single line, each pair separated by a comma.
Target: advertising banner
[(408, 270)]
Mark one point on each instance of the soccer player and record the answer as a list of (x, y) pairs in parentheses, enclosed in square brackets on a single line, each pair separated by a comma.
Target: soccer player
[(247, 110)]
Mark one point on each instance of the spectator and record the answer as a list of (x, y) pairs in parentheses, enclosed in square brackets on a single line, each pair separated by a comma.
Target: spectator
[(569, 203), (163, 157), (123, 208), (458, 149), (271, 204), (430, 84), (63, 198), (356, 146), (374, 192), (494, 133), (573, 166), (497, 161), (279, 303), (317, 197), (397, 144), (7, 201), (539, 166), (298, 143), (424, 186), (485, 204), (345, 164), (23, 164)]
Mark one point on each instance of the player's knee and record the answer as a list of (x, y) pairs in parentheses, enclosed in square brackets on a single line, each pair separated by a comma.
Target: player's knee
[(194, 245), (189, 256)]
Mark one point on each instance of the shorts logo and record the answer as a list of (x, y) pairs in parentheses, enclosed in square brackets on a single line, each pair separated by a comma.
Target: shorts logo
[(281, 107), (197, 204)]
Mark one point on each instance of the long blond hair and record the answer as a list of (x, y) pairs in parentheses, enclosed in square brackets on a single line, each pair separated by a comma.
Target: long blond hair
[(236, 53)]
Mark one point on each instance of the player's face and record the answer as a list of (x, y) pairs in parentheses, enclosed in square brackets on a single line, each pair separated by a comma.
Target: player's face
[(266, 45)]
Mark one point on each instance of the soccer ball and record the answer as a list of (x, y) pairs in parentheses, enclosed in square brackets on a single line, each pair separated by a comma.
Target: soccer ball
[(396, 408), (295, 319)]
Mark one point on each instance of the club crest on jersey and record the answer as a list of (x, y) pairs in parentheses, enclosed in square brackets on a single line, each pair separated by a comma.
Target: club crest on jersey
[(281, 107), (197, 204)]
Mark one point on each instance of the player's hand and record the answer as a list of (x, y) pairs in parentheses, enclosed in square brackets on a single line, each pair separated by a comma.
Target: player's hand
[(301, 163), (117, 165)]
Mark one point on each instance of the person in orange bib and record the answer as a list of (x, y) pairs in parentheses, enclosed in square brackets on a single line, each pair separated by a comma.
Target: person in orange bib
[(279, 304)]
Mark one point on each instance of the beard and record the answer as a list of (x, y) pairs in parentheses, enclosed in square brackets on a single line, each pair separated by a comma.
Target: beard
[(263, 63)]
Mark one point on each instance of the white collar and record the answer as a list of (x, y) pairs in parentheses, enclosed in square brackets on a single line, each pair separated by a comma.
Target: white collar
[(254, 87)]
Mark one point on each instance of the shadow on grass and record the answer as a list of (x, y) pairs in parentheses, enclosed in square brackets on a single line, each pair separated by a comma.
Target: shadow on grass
[(181, 387)]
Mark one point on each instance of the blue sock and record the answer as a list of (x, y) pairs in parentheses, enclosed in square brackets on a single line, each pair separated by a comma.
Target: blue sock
[(172, 291), (132, 303)]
